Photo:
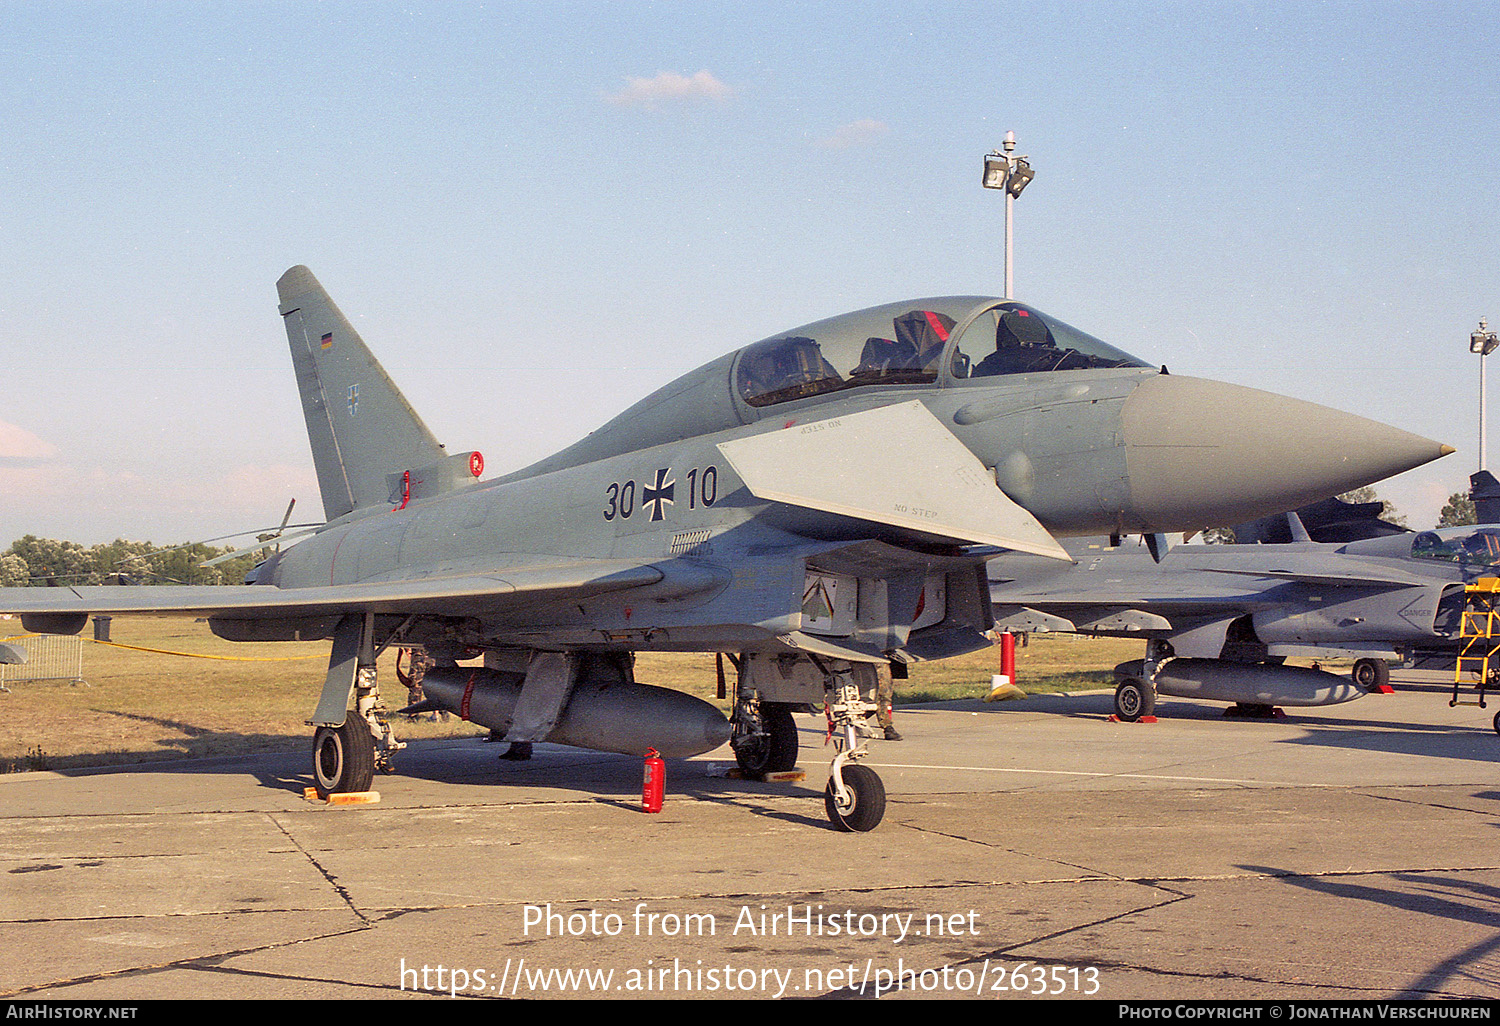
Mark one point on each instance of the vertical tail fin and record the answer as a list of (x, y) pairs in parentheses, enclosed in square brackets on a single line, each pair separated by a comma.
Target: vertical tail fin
[(361, 427)]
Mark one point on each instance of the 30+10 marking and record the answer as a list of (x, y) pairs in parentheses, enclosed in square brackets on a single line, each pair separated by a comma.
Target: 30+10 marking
[(702, 488)]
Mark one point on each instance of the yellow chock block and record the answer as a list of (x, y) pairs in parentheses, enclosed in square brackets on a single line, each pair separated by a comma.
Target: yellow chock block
[(785, 776), (1004, 692), (349, 798)]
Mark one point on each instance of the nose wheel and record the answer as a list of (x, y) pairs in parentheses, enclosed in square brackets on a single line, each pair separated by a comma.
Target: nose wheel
[(861, 806)]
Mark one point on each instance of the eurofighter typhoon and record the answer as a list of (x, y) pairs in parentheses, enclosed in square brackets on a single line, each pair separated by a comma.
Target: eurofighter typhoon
[(817, 506), (1220, 621)]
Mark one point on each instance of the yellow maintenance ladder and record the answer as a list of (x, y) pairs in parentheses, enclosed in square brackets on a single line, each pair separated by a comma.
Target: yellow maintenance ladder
[(1480, 634)]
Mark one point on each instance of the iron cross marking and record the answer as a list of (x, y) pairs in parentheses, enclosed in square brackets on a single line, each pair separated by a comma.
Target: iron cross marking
[(658, 495)]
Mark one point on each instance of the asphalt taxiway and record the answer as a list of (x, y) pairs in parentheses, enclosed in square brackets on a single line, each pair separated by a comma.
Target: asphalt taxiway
[(1031, 849)]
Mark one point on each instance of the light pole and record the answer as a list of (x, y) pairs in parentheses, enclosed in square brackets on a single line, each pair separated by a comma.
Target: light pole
[(1482, 342), (1011, 173)]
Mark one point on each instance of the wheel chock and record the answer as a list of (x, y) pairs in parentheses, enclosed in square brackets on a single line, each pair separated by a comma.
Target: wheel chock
[(791, 776), (1144, 719), (347, 798)]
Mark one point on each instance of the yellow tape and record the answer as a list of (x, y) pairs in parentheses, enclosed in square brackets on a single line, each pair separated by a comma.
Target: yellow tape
[(199, 655), (185, 655)]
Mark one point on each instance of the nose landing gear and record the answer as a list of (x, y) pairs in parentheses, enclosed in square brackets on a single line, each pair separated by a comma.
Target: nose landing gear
[(765, 736), (855, 796)]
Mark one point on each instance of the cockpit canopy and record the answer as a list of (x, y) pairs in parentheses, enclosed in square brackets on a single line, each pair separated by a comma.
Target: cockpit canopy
[(914, 342), (952, 342), (1475, 547)]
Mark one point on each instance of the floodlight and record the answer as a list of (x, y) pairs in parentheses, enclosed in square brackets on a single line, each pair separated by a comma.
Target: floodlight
[(996, 170), (1483, 341), (1020, 177)]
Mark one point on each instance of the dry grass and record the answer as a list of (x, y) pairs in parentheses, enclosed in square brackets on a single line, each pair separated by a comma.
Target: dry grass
[(143, 706)]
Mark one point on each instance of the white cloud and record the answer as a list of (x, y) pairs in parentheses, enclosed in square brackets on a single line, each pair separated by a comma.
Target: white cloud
[(17, 443), (856, 133), (670, 86)]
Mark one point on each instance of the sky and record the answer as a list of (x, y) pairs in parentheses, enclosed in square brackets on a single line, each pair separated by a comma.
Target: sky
[(536, 213)]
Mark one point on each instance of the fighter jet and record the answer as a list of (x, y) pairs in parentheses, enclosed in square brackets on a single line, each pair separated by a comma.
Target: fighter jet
[(815, 506), (1220, 620)]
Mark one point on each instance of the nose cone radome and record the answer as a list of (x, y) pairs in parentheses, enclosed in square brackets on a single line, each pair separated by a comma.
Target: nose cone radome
[(1206, 454)]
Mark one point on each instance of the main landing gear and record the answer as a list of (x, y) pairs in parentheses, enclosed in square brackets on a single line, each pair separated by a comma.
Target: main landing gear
[(353, 738), (1135, 697), (764, 737)]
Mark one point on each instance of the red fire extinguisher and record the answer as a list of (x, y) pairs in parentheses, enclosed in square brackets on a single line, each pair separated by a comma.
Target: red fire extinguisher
[(655, 783)]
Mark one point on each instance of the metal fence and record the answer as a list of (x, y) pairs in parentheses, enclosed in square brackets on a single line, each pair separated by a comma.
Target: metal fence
[(48, 657)]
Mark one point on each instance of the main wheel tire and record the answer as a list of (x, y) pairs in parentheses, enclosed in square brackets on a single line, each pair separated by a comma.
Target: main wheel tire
[(343, 758), (1134, 698), (1371, 674), (1496, 722), (775, 751), (868, 808)]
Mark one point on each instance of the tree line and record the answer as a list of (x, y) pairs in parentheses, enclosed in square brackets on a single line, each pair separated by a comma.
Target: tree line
[(42, 562), (1457, 512)]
